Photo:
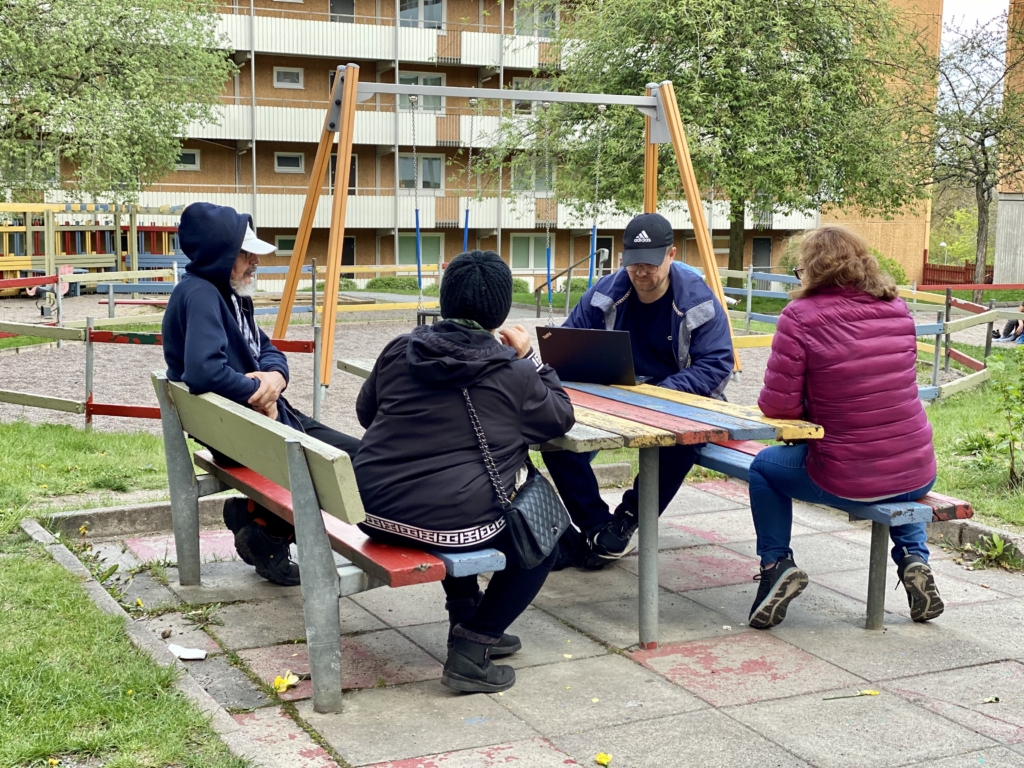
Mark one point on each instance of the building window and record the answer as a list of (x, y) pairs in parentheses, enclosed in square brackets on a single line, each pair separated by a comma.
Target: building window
[(430, 172), (188, 160), (285, 244), (352, 168), (289, 162), (529, 84), (288, 77), (530, 251), (343, 11), (425, 14), (426, 102), (431, 248), (536, 19), (531, 178)]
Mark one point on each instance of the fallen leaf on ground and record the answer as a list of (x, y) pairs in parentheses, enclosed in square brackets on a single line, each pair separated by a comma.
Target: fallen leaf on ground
[(602, 758), (594, 701), (282, 684), (566, 655)]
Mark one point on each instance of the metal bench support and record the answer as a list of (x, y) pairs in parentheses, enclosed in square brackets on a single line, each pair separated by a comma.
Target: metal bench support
[(648, 555), (320, 586), (876, 575)]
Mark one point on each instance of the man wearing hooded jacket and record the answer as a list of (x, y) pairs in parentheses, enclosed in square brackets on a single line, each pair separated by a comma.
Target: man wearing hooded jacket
[(211, 343), (680, 340)]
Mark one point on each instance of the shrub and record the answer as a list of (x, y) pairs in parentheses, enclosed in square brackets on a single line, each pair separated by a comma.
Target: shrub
[(346, 284), (520, 286), (392, 283), (579, 285), (432, 290), (891, 267)]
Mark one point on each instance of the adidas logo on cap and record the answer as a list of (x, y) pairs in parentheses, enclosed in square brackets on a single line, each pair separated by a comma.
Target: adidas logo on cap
[(643, 237)]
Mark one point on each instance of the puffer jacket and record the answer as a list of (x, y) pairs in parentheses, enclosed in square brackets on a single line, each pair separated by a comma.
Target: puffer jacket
[(420, 470), (847, 361)]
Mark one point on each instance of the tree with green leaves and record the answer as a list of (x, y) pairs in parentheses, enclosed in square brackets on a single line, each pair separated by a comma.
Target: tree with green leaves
[(979, 119), (95, 95), (787, 104)]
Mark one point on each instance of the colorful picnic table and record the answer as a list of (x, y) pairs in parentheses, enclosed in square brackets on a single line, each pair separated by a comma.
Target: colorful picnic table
[(649, 418)]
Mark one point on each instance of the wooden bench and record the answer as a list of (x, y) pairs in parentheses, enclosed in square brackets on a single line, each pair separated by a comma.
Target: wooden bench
[(147, 286), (311, 485), (734, 457)]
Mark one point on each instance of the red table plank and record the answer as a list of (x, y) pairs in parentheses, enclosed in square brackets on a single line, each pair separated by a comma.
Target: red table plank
[(687, 432), (394, 566)]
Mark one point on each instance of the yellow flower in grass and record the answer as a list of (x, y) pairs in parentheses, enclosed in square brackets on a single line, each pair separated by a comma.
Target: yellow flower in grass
[(282, 684)]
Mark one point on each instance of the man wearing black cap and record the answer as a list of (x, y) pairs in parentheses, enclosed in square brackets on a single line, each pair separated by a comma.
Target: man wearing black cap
[(680, 339)]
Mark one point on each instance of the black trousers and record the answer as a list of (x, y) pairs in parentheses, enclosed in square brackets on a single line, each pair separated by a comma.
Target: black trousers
[(274, 525), (574, 478), (508, 593)]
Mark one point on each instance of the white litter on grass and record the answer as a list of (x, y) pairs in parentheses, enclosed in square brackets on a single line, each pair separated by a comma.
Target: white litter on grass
[(186, 654)]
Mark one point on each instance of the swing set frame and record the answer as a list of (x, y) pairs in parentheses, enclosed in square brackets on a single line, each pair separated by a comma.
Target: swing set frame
[(662, 125)]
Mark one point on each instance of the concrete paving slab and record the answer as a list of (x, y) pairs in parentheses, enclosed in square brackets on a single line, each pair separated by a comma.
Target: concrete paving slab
[(535, 753), (817, 553), (545, 639), (576, 696), (1007, 582), (115, 553), (182, 632), (692, 500), (745, 667), (729, 490), (997, 757), (433, 720), (954, 591), (615, 621), (960, 695), (404, 607), (229, 686), (706, 738), (268, 622), (144, 587), (369, 660), (214, 546), (700, 568), (725, 527), (999, 625), (857, 732), (228, 582), (575, 585), (282, 740)]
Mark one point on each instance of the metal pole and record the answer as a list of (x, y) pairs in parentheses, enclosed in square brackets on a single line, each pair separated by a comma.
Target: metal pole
[(949, 310), (648, 555), (88, 371), (313, 294), (938, 351), (988, 333), (320, 588), (876, 575), (110, 299), (60, 308), (750, 293), (317, 336), (537, 296), (568, 289), (174, 266)]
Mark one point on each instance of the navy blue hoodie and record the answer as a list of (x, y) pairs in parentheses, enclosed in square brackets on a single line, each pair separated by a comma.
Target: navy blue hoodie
[(203, 345)]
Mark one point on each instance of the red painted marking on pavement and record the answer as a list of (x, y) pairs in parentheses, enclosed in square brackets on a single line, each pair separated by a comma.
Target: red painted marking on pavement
[(726, 489), (687, 432), (709, 536)]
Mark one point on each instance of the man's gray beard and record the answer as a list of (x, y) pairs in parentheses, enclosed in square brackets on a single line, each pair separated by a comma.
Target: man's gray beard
[(243, 287)]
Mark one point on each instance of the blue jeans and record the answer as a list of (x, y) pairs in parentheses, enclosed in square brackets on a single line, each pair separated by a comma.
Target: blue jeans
[(779, 474)]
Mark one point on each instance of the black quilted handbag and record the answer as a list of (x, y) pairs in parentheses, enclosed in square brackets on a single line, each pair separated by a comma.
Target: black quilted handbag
[(535, 517)]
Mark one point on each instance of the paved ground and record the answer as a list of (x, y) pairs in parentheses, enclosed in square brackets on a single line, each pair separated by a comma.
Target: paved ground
[(716, 693)]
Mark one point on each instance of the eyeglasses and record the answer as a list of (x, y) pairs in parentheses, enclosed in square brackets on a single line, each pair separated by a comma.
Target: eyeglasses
[(798, 273), (636, 269)]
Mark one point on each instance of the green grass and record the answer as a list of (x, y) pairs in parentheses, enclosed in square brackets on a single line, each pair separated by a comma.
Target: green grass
[(999, 296), (73, 685)]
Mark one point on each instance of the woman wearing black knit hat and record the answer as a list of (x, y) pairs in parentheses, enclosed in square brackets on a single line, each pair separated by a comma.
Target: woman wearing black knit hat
[(420, 470)]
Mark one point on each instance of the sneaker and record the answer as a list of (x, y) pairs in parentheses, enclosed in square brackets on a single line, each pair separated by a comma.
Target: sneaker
[(236, 517), (779, 584), (922, 594), (268, 554), (614, 540)]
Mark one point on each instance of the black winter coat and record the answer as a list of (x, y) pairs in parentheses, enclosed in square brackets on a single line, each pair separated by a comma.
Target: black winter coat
[(420, 470)]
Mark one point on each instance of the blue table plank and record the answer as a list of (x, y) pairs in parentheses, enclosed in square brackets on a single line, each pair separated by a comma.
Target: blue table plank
[(739, 429)]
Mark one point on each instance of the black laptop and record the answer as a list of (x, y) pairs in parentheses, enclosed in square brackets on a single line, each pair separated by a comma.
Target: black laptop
[(588, 356)]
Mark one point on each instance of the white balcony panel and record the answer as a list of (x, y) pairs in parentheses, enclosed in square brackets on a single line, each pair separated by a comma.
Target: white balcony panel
[(239, 201), (289, 124), (481, 49), (483, 214), (522, 51), (519, 212), (796, 220), (235, 28), (232, 121), (414, 44), (376, 128), (485, 129), (571, 218), (301, 37), (426, 128)]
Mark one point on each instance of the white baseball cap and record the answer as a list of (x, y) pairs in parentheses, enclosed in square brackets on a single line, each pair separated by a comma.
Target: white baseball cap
[(252, 244)]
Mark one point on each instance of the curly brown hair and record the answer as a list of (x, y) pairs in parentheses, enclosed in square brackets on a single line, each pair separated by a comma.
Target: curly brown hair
[(833, 256)]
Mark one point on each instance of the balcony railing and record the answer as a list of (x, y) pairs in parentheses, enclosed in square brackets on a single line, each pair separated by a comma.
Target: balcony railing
[(488, 24)]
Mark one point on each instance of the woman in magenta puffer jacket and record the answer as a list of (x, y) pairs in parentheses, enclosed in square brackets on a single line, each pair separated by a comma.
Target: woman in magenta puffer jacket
[(844, 356)]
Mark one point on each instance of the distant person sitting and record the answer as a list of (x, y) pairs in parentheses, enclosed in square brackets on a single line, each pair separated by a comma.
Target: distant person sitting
[(844, 356), (1013, 331), (211, 343), (679, 335)]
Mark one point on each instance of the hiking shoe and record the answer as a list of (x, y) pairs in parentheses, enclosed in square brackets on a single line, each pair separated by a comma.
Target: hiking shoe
[(779, 584), (469, 668), (922, 594), (270, 555), (614, 540)]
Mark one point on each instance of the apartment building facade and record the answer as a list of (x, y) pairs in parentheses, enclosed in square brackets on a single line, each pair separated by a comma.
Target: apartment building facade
[(258, 157)]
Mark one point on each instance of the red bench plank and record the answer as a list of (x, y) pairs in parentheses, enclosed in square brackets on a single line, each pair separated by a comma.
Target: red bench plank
[(686, 432), (394, 566), (749, 447)]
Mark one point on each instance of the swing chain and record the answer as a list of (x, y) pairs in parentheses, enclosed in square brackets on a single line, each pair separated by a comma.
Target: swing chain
[(601, 109), (469, 163), (547, 213), (413, 100)]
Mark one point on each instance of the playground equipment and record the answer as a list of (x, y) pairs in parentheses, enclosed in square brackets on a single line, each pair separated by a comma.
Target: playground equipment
[(662, 124)]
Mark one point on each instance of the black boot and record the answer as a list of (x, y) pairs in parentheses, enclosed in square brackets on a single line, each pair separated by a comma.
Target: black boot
[(236, 517), (469, 668), (269, 554), (462, 611)]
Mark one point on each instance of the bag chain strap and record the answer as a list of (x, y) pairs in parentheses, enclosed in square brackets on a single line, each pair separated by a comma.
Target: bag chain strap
[(492, 469)]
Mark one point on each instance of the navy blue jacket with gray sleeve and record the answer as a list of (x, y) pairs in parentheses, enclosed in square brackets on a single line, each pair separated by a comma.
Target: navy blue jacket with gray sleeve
[(699, 336)]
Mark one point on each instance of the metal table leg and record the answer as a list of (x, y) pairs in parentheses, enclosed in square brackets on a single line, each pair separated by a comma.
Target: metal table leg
[(648, 565), (876, 575)]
